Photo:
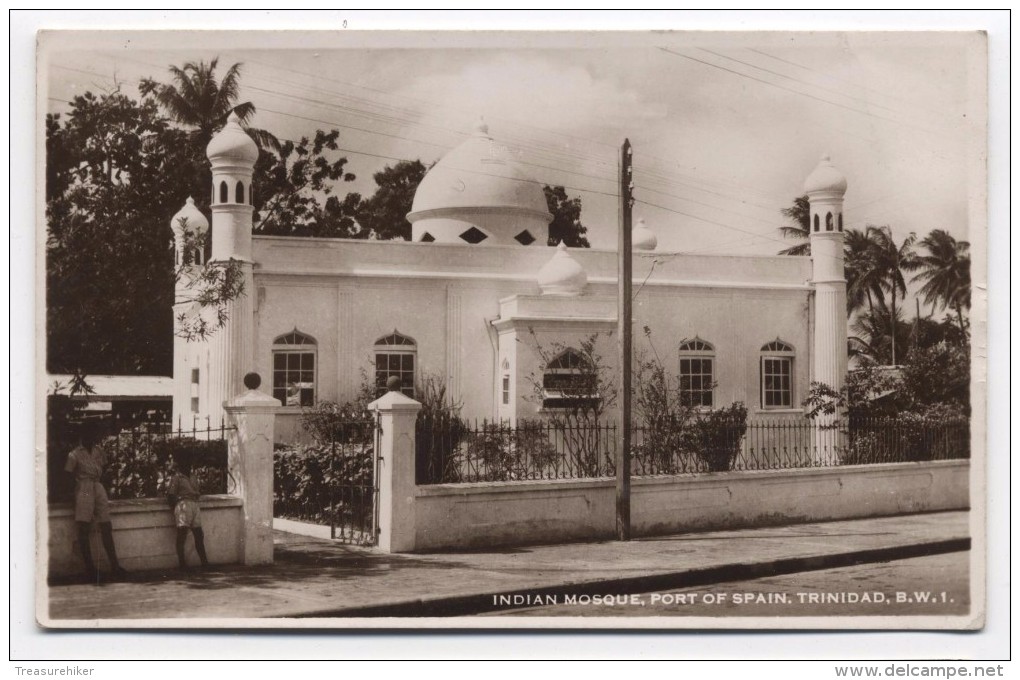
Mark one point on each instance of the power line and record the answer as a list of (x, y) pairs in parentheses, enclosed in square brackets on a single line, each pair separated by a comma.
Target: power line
[(802, 82), (794, 91)]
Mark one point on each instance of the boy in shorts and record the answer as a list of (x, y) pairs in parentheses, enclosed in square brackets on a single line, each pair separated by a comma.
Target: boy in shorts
[(182, 493), (86, 462)]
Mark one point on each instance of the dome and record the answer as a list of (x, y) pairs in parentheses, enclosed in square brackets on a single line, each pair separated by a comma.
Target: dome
[(194, 218), (232, 143), (476, 185), (825, 177), (643, 238), (562, 275)]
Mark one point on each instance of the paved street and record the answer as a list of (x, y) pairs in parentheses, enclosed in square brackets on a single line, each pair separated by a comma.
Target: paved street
[(319, 578), (935, 585)]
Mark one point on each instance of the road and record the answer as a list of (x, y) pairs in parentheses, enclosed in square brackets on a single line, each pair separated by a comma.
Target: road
[(936, 585)]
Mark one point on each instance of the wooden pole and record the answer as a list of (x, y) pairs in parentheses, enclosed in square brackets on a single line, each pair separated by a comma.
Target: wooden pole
[(624, 313)]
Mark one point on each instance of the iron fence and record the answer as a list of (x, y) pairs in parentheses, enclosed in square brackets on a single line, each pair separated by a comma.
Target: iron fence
[(140, 459), (331, 482), (535, 450)]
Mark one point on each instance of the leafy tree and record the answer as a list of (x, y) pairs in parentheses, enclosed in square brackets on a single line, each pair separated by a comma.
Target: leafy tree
[(566, 223), (116, 172), (945, 271), (863, 279), (290, 185), (799, 215), (384, 214)]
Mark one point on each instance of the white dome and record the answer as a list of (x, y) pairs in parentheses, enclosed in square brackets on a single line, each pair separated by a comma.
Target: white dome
[(643, 238), (232, 143), (562, 275), (477, 185), (825, 178), (196, 221)]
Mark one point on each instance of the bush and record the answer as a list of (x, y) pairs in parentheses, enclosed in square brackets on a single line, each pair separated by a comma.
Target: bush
[(139, 465), (332, 478), (502, 452), (439, 432), (718, 435), (323, 482)]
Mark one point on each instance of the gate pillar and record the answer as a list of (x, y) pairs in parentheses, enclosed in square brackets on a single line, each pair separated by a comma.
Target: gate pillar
[(397, 415), (250, 462)]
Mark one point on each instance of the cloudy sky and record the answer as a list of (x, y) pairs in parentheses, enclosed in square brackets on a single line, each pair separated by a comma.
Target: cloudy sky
[(725, 127)]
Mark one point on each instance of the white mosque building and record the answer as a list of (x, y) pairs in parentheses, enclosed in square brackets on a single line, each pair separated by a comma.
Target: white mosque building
[(476, 298)]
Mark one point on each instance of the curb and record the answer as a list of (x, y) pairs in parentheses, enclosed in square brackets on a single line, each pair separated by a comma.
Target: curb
[(481, 603)]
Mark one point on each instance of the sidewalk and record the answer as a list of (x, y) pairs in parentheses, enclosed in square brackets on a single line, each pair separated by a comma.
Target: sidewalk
[(319, 578)]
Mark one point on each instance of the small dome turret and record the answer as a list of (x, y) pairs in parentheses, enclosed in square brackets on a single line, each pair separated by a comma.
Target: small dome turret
[(191, 216), (562, 275), (825, 178), (643, 238), (232, 144)]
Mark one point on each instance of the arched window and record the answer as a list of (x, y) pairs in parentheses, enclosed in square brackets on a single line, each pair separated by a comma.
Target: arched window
[(777, 375), (294, 359), (816, 222), (224, 192), (841, 221), (697, 361), (569, 381), (394, 356), (239, 193), (828, 221)]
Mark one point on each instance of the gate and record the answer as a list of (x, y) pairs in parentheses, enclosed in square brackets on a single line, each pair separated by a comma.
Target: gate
[(353, 482)]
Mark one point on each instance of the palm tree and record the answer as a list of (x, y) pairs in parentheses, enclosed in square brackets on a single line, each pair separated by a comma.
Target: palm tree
[(863, 279), (871, 335), (800, 215), (945, 271), (197, 100), (890, 261)]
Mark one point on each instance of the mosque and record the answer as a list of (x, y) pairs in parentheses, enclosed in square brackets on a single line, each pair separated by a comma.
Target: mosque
[(477, 300)]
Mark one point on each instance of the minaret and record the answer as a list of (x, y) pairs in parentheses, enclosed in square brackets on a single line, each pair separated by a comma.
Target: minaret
[(232, 154), (825, 188), (190, 229)]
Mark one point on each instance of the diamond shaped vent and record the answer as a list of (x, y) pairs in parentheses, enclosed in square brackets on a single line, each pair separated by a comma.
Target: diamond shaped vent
[(427, 238), (525, 238), (474, 235)]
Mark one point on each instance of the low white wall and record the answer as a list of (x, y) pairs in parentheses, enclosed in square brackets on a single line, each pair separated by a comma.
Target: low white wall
[(144, 533), (548, 511)]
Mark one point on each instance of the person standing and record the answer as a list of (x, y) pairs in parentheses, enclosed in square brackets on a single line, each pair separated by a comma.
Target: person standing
[(91, 504), (182, 492)]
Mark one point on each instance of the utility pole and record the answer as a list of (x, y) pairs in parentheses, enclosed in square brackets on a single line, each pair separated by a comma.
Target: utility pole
[(624, 312)]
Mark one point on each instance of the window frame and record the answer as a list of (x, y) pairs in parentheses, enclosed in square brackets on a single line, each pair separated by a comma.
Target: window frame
[(552, 394), (696, 349), (784, 354), (396, 344), (288, 345)]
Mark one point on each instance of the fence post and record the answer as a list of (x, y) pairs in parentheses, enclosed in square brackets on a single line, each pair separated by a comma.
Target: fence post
[(397, 415), (251, 417)]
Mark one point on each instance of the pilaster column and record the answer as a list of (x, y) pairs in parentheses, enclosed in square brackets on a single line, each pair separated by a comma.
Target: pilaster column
[(250, 462), (397, 415)]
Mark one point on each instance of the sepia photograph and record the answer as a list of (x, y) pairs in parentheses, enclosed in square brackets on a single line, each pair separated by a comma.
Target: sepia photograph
[(511, 330)]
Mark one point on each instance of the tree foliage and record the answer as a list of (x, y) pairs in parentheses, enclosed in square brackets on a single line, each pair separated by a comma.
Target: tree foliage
[(945, 272), (290, 186), (799, 215), (116, 171), (566, 222), (384, 213)]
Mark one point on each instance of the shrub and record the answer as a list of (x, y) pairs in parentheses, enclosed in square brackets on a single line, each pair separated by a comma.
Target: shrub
[(718, 435), (503, 452), (439, 432), (333, 477), (139, 465)]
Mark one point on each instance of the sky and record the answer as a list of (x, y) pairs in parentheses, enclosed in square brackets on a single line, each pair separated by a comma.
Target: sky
[(725, 127)]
